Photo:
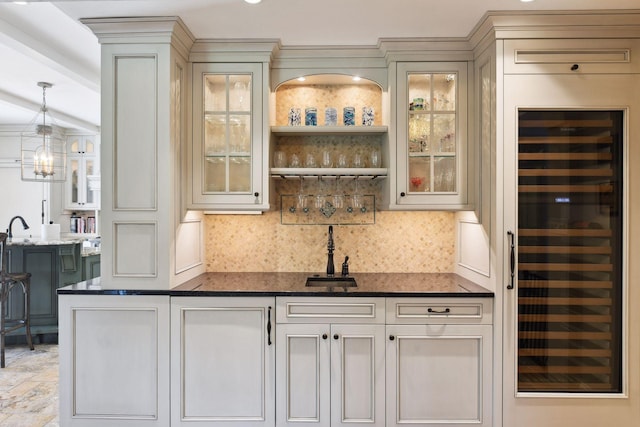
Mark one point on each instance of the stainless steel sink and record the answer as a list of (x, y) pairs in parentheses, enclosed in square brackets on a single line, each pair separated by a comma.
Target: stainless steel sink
[(331, 282)]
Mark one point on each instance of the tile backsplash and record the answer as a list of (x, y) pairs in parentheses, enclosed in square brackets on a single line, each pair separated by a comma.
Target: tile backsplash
[(421, 242)]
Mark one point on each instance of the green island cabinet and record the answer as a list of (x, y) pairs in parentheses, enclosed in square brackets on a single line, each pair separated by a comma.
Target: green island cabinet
[(51, 266), (90, 266)]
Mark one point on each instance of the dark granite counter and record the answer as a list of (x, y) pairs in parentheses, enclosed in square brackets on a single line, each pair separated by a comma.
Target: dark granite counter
[(293, 284)]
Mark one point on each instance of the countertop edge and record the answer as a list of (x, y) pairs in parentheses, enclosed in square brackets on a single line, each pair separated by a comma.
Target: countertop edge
[(354, 294), (201, 287)]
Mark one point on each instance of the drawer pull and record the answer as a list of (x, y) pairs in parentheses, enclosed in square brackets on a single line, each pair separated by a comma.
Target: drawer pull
[(392, 337), (445, 311), (336, 336), (325, 336)]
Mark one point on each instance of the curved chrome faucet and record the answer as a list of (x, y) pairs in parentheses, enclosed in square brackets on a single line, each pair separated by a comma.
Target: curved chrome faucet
[(24, 225)]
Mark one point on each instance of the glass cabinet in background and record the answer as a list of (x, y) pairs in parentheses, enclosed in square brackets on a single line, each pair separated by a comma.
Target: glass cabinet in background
[(83, 170), (431, 129), (227, 135)]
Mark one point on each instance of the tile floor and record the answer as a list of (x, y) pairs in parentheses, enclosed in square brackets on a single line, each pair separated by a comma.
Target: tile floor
[(29, 387)]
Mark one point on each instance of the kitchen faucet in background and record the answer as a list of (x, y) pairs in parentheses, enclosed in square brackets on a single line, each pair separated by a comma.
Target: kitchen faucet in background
[(24, 225)]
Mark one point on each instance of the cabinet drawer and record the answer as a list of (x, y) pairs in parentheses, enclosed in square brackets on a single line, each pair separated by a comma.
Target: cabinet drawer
[(439, 310), (562, 56), (330, 310)]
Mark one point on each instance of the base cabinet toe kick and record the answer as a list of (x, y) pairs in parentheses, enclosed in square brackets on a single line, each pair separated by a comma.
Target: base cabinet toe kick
[(161, 360)]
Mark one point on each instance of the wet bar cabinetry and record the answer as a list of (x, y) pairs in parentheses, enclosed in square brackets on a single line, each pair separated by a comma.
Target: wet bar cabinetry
[(439, 362), (419, 159), (228, 152), (327, 148), (330, 362), (433, 159), (222, 361), (566, 186), (255, 359)]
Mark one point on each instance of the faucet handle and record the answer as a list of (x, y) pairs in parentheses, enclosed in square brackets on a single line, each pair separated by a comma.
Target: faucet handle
[(345, 267)]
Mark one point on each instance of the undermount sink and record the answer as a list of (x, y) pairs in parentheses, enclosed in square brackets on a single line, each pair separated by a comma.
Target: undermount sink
[(331, 282)]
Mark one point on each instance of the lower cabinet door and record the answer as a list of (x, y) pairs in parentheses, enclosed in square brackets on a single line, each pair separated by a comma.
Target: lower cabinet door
[(357, 375), (330, 375), (439, 375), (303, 382), (222, 361), (114, 360)]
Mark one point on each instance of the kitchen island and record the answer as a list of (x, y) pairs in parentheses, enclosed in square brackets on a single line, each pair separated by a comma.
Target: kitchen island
[(262, 349), (52, 264)]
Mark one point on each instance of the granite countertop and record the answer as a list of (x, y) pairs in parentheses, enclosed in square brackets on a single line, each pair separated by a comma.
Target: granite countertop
[(293, 284), (89, 251), (36, 241)]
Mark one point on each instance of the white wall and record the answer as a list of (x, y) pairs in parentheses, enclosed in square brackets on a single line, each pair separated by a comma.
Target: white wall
[(18, 197)]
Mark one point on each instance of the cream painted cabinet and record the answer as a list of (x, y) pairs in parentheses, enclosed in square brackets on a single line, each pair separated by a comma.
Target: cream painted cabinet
[(228, 169), (432, 167), (83, 172), (114, 360), (222, 362), (567, 202), (438, 362), (330, 369)]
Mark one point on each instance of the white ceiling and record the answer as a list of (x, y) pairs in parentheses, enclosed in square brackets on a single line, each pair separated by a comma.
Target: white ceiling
[(44, 41)]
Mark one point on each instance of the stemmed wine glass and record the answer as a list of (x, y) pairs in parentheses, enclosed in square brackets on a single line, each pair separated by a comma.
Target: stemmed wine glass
[(338, 198), (302, 198)]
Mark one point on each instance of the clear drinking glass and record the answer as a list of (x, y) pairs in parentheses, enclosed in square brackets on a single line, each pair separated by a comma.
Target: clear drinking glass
[(375, 159), (343, 161), (310, 161), (280, 159), (327, 159), (295, 161), (358, 161)]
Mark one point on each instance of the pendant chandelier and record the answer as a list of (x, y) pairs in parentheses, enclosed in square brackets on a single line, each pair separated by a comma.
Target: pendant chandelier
[(43, 147)]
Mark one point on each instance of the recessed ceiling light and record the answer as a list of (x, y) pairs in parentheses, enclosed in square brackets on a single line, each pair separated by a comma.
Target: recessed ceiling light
[(253, 1), (21, 3), (301, 79), (526, 1), (356, 78)]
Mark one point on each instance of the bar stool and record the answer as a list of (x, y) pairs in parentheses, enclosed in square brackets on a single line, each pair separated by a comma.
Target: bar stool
[(9, 281)]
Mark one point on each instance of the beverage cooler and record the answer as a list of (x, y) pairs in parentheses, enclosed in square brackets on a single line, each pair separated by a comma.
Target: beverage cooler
[(569, 251)]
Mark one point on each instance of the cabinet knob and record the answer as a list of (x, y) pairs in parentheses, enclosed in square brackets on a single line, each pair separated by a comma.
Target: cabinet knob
[(403, 194), (336, 336), (575, 67), (392, 337), (256, 194), (325, 336)]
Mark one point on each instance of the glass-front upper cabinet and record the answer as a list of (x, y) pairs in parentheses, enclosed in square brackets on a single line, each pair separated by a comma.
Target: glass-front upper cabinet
[(227, 163), (83, 173), (432, 167)]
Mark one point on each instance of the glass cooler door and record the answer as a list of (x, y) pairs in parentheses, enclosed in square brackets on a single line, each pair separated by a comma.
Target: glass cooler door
[(569, 251)]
